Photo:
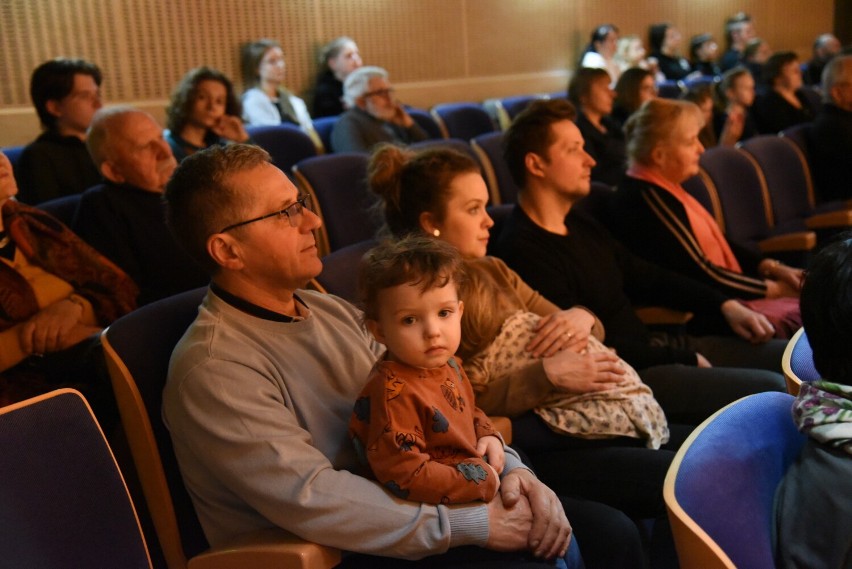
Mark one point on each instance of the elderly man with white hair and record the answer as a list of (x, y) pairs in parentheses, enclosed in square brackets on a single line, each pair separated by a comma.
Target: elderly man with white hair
[(373, 116), (830, 139)]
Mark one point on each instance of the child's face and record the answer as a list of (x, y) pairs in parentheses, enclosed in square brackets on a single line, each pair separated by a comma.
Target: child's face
[(209, 104), (420, 330)]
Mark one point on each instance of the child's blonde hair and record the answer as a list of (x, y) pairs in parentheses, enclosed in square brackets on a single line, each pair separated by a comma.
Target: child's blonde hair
[(486, 307)]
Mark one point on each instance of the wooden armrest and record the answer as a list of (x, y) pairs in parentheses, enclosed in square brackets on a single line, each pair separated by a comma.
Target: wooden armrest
[(798, 241), (272, 547), (657, 315), (841, 218), (504, 425)]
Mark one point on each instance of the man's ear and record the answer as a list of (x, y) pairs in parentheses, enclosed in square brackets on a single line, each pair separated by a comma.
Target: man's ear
[(52, 106), (225, 251), (111, 172), (534, 164), (375, 329), (428, 223)]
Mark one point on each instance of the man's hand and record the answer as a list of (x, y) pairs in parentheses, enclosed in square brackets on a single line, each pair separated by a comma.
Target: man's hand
[(583, 373), (550, 531), (400, 116), (563, 330), (747, 323)]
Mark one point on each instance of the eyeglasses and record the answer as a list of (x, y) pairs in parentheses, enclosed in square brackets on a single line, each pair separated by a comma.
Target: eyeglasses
[(379, 93), (292, 212)]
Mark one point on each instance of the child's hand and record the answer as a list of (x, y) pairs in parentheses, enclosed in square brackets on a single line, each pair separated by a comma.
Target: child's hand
[(490, 448)]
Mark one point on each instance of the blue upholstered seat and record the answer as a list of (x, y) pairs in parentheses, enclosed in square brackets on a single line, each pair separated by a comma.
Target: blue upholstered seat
[(798, 362), (338, 185), (720, 487), (462, 120), (287, 144), (501, 186)]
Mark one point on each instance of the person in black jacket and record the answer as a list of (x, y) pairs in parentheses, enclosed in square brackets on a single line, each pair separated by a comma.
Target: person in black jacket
[(830, 139), (66, 94), (657, 219), (590, 92), (785, 103), (124, 218)]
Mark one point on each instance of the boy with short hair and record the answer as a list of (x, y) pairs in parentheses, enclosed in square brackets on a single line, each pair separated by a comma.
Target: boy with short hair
[(415, 422)]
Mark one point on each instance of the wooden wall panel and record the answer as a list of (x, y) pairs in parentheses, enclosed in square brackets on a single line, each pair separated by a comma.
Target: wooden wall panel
[(435, 50)]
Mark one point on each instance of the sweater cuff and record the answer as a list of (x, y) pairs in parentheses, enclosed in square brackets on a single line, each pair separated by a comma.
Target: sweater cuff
[(512, 461), (468, 524)]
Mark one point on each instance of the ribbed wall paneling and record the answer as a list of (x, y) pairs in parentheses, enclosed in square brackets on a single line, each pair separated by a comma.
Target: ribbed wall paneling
[(435, 50)]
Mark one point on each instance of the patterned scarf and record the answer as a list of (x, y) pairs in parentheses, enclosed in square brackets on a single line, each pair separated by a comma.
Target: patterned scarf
[(823, 411), (45, 242)]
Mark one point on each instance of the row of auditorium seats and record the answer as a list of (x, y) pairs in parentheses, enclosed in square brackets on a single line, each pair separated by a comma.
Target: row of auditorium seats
[(71, 496), (463, 120), (760, 193)]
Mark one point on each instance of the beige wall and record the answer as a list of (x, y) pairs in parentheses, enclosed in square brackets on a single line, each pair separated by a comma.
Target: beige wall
[(435, 50)]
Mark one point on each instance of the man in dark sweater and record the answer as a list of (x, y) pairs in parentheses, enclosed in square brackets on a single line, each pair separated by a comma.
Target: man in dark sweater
[(66, 94), (572, 260), (830, 139), (374, 115), (124, 218)]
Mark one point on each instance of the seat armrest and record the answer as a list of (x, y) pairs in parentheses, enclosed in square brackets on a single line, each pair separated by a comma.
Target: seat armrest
[(658, 315), (504, 425), (798, 241), (273, 547), (841, 218)]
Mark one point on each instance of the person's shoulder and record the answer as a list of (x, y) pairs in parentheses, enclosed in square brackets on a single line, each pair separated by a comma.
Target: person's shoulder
[(253, 96), (326, 307), (42, 148), (593, 59)]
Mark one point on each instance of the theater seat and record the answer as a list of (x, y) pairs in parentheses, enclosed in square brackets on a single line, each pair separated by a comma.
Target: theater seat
[(720, 487), (64, 502), (137, 348)]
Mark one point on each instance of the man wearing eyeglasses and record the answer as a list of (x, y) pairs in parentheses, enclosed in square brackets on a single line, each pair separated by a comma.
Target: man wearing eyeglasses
[(124, 218), (373, 116), (261, 388), (66, 93)]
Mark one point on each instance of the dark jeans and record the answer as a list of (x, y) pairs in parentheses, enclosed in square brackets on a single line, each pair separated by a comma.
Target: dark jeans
[(690, 394), (607, 539), (467, 557), (620, 473)]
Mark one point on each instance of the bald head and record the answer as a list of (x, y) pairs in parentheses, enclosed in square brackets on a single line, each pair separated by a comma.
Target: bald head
[(127, 146)]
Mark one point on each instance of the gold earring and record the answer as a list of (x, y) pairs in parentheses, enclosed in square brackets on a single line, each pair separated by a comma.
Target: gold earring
[(436, 232)]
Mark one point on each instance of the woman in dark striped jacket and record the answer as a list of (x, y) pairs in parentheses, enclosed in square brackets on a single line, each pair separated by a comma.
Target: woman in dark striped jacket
[(656, 218)]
